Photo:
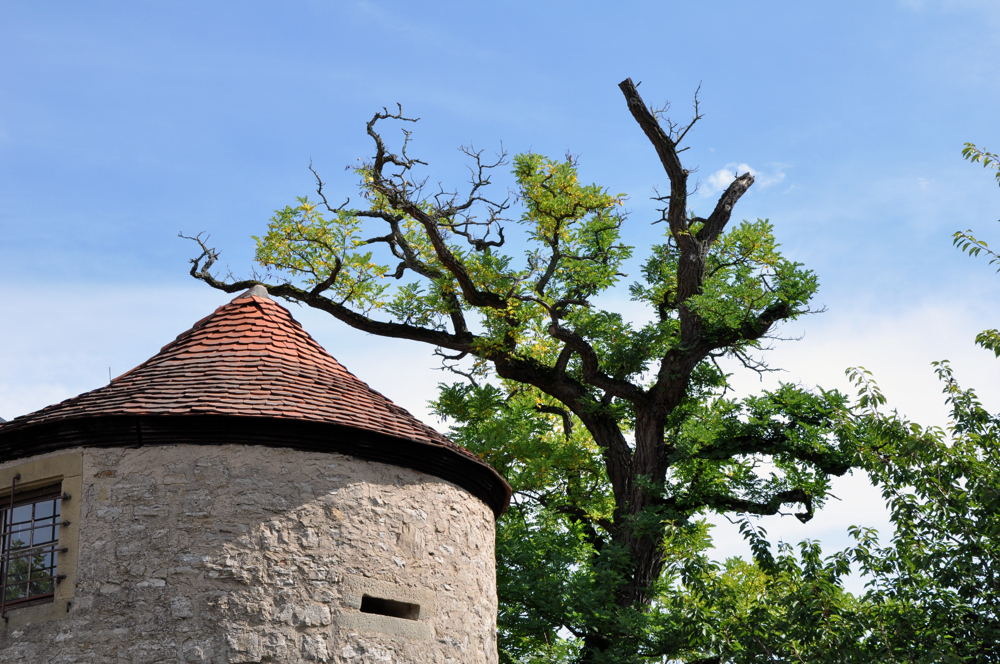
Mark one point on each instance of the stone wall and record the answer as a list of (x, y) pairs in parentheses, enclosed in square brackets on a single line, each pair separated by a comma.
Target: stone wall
[(236, 554)]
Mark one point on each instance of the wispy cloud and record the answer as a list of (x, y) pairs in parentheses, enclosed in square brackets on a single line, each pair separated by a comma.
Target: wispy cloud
[(719, 180)]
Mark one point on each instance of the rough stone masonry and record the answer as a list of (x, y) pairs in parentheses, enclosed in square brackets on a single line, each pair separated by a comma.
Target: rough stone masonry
[(244, 554)]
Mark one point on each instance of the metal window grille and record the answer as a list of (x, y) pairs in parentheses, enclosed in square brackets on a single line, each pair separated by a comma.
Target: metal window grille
[(29, 545)]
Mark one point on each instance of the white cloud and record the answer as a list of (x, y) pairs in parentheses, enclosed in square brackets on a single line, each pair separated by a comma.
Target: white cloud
[(897, 344), (857, 503), (719, 180)]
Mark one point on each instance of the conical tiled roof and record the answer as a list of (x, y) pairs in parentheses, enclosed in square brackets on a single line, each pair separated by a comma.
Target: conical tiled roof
[(248, 359)]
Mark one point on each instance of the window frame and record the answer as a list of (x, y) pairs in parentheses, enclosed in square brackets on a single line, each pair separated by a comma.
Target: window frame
[(20, 545), (60, 475)]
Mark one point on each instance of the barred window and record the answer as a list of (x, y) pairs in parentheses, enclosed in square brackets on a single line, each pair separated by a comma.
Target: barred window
[(29, 546)]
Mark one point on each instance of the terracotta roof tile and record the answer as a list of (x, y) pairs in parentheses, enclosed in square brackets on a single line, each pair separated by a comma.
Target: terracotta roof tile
[(231, 363)]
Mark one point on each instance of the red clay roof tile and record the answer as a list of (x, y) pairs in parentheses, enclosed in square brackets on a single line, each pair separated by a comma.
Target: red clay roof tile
[(229, 363)]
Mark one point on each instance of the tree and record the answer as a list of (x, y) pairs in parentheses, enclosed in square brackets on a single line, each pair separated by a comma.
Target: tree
[(942, 571), (648, 440), (552, 577), (933, 593)]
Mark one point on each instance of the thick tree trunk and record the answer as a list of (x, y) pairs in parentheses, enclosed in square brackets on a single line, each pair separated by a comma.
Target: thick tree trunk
[(636, 478), (646, 551), (645, 543)]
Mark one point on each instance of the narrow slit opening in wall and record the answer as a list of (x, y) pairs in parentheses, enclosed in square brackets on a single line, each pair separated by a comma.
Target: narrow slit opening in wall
[(389, 607)]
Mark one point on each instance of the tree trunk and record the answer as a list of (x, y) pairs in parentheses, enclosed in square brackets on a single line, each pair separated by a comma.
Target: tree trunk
[(643, 493), (636, 479)]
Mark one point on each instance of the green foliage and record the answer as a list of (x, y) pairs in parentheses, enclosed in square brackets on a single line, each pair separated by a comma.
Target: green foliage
[(943, 490), (990, 340), (968, 243), (793, 609), (303, 242), (745, 276), (572, 233), (932, 594), (976, 156), (965, 240), (557, 561), (564, 218)]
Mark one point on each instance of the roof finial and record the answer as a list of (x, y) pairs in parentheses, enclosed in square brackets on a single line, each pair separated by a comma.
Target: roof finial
[(256, 291)]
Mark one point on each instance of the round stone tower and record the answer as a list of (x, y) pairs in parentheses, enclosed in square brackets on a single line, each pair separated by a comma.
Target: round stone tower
[(241, 497)]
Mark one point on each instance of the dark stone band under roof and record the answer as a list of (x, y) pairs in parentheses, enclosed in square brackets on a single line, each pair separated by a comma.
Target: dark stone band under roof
[(250, 374)]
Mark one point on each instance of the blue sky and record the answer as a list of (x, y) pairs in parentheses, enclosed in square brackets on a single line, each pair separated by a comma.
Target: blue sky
[(122, 124)]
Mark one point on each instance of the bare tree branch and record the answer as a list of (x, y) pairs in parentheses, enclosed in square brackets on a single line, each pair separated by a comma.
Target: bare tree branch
[(319, 192), (717, 221), (457, 342), (666, 148), (398, 192), (767, 507)]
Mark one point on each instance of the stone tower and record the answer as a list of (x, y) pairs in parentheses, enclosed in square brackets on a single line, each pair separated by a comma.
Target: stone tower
[(241, 497)]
